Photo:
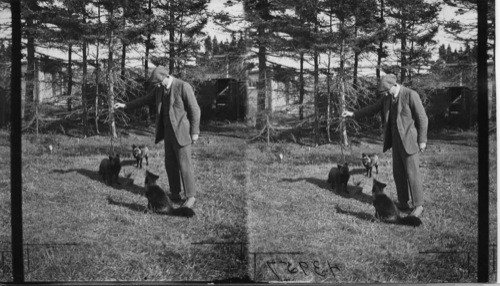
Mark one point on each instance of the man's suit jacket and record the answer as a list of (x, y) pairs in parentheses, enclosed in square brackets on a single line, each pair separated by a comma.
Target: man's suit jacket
[(411, 120), (183, 111)]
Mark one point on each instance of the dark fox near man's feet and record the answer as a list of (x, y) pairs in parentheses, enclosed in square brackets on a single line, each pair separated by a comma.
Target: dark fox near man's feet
[(159, 202), (386, 210), (140, 153), (110, 168), (338, 177), (369, 161)]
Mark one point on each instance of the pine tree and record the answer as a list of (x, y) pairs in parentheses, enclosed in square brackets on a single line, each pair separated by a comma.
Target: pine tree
[(415, 27), (258, 14), (464, 31), (442, 52), (208, 47), (184, 21)]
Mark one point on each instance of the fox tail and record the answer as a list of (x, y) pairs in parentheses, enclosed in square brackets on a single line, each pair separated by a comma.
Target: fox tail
[(410, 220), (181, 211)]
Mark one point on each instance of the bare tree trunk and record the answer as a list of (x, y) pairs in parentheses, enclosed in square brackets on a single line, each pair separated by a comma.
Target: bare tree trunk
[(381, 42), (403, 51), (122, 67), (410, 61), (30, 71), (301, 86), (316, 98), (96, 103), (111, 81), (356, 58), (97, 74), (84, 88), (261, 83), (329, 89), (36, 99), (316, 92), (124, 52), (341, 88), (70, 77), (171, 32), (148, 44)]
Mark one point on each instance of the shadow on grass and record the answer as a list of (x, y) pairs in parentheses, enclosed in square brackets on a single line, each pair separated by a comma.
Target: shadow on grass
[(359, 215), (353, 192), (126, 184), (131, 206)]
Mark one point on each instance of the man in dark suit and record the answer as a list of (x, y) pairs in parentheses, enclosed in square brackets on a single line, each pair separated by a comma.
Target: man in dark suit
[(178, 124), (405, 130)]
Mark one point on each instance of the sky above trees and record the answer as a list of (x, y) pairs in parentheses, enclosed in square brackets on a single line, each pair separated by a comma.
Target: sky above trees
[(223, 33)]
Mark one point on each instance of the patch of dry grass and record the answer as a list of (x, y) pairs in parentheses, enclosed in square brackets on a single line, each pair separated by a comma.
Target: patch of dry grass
[(260, 214), (110, 235), (293, 210)]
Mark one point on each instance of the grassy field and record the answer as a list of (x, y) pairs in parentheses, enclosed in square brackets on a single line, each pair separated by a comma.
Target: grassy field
[(259, 216)]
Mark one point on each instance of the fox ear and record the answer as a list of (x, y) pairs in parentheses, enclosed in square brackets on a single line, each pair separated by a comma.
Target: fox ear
[(363, 155), (133, 146)]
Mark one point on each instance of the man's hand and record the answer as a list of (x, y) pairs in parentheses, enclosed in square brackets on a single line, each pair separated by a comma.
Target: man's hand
[(194, 138), (119, 105), (422, 146), (347, 113)]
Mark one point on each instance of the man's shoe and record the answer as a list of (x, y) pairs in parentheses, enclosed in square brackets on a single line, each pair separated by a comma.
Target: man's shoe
[(403, 207), (189, 202), (417, 211), (176, 198)]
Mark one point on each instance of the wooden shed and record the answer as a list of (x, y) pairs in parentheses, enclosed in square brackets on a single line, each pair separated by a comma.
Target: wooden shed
[(454, 106), (223, 99)]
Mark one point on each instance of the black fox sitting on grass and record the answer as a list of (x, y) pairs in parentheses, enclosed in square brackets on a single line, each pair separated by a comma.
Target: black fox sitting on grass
[(386, 210), (110, 168), (338, 177), (369, 161), (140, 153), (159, 202)]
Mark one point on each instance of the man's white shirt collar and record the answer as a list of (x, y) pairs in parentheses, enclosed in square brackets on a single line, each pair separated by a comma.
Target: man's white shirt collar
[(396, 91), (170, 80)]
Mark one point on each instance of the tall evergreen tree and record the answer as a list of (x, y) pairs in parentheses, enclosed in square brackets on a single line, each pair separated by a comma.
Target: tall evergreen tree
[(34, 16), (184, 20), (367, 32), (467, 31), (259, 15), (208, 47), (415, 27)]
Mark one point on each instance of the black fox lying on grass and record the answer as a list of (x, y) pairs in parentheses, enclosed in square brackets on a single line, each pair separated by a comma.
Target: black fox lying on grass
[(159, 202), (110, 168), (140, 153), (386, 210), (338, 177), (369, 161)]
